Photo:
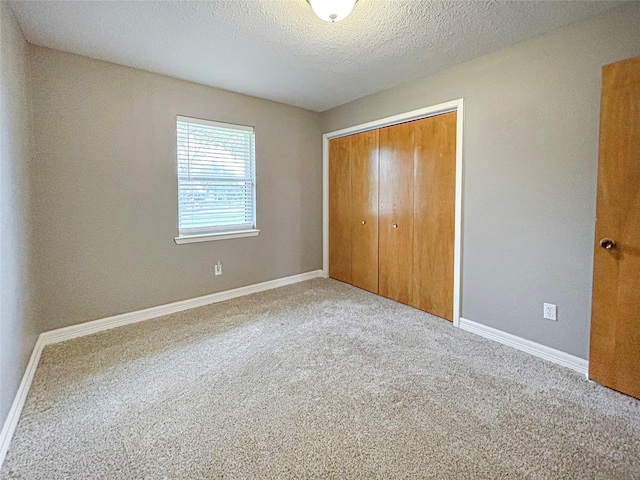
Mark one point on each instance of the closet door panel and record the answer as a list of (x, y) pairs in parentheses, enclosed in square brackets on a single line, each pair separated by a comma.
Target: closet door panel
[(364, 210), (434, 220), (340, 210), (395, 221)]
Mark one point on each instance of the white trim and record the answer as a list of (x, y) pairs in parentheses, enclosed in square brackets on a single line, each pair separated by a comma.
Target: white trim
[(578, 364), (457, 242), (13, 417), (400, 118), (454, 105), (212, 123), (208, 237), (325, 204), (95, 326)]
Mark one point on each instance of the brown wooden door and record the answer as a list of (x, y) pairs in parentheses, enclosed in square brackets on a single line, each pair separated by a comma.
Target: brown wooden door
[(434, 217), (364, 210), (395, 220), (615, 322), (340, 209)]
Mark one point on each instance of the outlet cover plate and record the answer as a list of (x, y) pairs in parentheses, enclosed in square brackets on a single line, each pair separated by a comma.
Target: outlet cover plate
[(550, 312)]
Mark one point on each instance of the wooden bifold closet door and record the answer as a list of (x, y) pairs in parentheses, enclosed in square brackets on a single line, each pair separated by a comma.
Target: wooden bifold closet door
[(434, 214), (396, 212), (364, 210), (353, 210), (340, 210), (392, 212)]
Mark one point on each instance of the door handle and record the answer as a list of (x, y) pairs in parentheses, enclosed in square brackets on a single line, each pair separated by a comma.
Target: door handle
[(395, 225), (363, 222), (608, 244)]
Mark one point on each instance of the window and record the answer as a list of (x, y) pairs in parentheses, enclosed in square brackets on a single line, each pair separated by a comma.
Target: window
[(216, 180)]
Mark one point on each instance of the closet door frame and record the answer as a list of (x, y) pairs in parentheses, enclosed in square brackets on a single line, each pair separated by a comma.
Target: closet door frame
[(452, 106)]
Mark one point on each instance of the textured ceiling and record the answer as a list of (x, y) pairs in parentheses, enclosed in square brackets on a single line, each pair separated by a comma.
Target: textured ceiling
[(279, 49)]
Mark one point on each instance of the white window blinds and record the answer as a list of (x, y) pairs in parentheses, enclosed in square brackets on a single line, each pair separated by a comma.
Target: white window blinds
[(216, 177)]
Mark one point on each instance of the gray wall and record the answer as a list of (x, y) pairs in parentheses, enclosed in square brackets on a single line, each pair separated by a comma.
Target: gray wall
[(530, 160), (18, 331), (106, 190)]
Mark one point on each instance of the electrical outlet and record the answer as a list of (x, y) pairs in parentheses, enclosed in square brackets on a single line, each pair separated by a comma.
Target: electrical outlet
[(218, 269), (550, 312)]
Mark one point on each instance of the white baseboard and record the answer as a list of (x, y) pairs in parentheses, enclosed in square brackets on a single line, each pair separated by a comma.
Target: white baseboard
[(95, 326), (11, 422), (578, 364)]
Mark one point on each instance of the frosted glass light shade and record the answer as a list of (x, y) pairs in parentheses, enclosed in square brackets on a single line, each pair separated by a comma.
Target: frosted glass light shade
[(332, 10)]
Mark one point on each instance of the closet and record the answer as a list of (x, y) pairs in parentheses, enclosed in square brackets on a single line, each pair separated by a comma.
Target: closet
[(392, 212)]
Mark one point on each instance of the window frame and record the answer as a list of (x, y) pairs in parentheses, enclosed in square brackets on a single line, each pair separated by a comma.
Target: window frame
[(218, 232)]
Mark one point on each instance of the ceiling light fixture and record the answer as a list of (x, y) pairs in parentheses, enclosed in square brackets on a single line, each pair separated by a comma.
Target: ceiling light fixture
[(332, 10)]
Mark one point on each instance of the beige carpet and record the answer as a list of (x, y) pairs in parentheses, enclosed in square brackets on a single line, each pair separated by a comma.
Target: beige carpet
[(315, 380)]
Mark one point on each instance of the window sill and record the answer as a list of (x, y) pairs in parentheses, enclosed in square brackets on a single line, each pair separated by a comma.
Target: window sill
[(209, 237)]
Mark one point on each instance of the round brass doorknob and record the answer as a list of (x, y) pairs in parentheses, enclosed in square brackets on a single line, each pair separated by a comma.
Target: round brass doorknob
[(395, 225), (364, 221), (607, 243)]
